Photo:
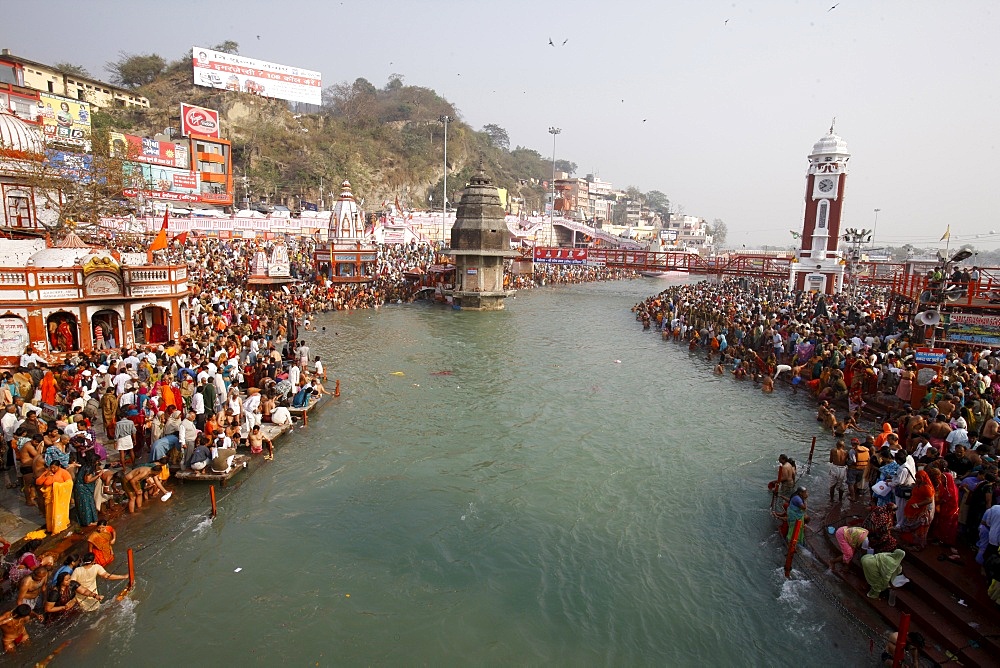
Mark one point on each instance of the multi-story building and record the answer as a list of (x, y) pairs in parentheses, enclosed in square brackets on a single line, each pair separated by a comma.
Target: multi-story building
[(691, 231), (48, 79), (14, 95)]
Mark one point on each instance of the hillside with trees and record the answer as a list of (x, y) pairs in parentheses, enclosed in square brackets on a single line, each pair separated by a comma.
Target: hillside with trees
[(388, 140)]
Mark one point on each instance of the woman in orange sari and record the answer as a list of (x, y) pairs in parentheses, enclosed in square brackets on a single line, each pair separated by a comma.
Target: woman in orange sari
[(101, 542), (48, 386), (919, 511)]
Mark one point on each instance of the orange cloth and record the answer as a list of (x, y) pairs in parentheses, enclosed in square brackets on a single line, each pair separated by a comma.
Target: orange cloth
[(48, 388), (100, 545), (884, 436)]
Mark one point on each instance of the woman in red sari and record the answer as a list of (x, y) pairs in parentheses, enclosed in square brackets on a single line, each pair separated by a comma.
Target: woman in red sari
[(945, 526), (919, 511)]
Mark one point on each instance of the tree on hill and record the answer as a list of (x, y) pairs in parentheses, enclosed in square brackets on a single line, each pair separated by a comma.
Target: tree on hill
[(71, 68), (498, 136), (229, 46), (565, 166), (135, 70)]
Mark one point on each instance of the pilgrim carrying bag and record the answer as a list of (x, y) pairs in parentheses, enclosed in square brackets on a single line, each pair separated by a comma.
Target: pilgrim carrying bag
[(903, 491)]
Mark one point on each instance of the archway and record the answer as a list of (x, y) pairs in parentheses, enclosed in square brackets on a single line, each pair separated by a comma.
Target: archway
[(111, 329), (62, 332), (151, 324)]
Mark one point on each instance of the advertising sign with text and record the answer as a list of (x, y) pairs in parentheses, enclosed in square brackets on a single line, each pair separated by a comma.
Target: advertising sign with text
[(152, 151), (199, 121), (228, 71), (65, 121), (166, 183), (972, 328), (561, 255)]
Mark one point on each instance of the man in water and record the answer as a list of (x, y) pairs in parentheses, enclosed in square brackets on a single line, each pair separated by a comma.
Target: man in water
[(12, 623), (786, 476), (134, 481), (32, 589), (257, 441), (838, 470), (858, 463)]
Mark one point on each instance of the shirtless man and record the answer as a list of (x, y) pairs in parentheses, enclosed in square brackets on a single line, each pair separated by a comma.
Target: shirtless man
[(937, 433), (915, 426), (31, 592), (946, 406), (257, 441), (26, 457), (786, 476), (838, 470), (134, 481), (12, 623), (991, 429)]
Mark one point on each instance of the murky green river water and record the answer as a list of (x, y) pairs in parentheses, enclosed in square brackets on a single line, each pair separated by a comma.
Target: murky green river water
[(541, 504)]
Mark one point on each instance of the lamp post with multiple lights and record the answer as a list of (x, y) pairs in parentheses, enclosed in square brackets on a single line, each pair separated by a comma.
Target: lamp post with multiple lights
[(444, 194), (552, 204)]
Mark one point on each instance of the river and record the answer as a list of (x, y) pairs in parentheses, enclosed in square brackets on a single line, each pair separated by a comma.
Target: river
[(547, 485)]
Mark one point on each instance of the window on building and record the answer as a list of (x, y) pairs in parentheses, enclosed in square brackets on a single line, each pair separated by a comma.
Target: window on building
[(8, 75), (52, 88), (18, 209), (822, 214)]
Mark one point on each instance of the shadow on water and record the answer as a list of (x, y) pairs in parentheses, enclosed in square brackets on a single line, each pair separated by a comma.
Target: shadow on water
[(572, 491)]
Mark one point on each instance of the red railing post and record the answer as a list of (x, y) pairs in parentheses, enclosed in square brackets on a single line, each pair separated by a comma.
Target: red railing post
[(901, 634), (211, 494)]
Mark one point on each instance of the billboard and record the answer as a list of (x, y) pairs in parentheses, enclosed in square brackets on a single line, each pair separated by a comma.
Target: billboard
[(65, 121), (972, 328), (199, 121), (228, 71), (560, 255), (151, 151), (166, 183), (74, 166)]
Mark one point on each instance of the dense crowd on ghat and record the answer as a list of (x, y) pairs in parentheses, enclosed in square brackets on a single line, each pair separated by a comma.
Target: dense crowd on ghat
[(95, 434), (929, 473)]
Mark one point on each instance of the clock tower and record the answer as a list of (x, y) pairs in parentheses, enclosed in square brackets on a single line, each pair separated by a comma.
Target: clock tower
[(819, 265)]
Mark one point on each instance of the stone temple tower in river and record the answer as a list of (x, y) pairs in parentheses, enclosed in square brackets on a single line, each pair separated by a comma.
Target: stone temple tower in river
[(480, 241)]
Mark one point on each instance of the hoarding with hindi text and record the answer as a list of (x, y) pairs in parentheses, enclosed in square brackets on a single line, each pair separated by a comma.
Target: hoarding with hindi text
[(228, 71), (151, 151), (972, 328), (65, 121)]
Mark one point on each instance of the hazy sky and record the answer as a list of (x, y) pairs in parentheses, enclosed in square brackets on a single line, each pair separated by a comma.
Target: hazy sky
[(731, 109)]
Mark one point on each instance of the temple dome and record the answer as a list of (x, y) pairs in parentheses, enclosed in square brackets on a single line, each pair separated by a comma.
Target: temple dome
[(18, 139), (346, 222)]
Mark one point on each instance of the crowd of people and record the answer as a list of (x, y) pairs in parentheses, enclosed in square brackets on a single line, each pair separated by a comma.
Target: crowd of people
[(120, 420), (929, 473)]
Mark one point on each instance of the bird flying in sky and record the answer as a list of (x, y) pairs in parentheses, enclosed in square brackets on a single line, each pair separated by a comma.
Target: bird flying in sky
[(834, 7), (551, 43)]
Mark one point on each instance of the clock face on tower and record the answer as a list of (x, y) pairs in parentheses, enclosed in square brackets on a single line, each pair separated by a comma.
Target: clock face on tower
[(825, 185)]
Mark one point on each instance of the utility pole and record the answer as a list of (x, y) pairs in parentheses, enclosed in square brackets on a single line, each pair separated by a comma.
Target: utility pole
[(552, 204), (875, 227), (444, 200), (856, 238)]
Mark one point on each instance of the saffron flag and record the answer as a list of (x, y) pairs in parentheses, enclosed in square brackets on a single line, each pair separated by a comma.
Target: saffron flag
[(181, 238), (947, 234), (160, 241)]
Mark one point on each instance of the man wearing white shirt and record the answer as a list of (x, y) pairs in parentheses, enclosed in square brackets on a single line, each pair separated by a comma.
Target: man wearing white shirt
[(294, 376), (198, 406), (127, 398), (188, 435), (120, 380), (958, 436)]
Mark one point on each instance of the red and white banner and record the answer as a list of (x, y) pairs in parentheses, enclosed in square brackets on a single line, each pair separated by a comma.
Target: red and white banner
[(159, 194), (561, 255), (199, 121), (229, 71)]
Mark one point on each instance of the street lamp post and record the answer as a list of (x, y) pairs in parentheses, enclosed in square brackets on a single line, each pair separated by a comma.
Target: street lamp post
[(875, 227), (856, 238), (552, 208), (444, 199)]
